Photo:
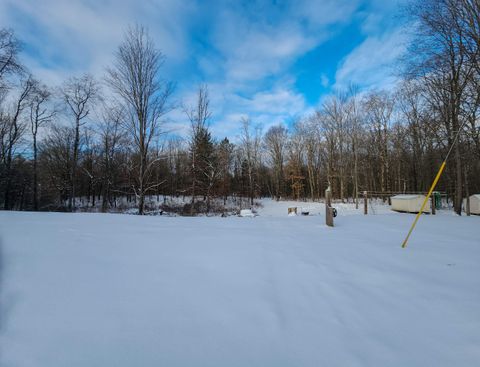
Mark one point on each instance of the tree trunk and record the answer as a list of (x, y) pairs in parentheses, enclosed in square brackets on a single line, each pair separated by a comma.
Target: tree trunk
[(8, 168), (458, 180), (141, 193), (355, 174), (35, 174), (73, 175), (467, 192), (104, 198)]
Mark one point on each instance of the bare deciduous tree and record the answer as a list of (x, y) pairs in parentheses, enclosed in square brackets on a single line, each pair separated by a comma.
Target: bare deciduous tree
[(40, 114), (111, 135), (79, 95), (275, 142), (250, 148), (13, 130), (135, 79), (379, 108)]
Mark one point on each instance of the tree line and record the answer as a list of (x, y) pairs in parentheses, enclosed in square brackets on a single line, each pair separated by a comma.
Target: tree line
[(105, 139)]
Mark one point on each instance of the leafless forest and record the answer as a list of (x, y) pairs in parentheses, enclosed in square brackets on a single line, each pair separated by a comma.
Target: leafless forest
[(104, 138)]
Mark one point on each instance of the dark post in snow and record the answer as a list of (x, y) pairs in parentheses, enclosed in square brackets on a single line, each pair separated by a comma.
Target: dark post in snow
[(432, 198), (328, 207), (365, 203)]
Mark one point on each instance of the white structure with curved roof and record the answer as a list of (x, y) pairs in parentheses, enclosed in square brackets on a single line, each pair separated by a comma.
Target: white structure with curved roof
[(474, 204), (409, 203)]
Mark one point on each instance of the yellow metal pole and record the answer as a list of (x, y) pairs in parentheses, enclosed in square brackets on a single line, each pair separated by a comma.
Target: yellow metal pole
[(440, 171)]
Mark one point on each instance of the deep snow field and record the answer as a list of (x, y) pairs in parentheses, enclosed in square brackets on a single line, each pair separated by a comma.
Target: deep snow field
[(82, 290)]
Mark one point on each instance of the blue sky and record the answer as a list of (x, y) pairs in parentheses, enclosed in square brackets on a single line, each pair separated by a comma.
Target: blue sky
[(274, 61)]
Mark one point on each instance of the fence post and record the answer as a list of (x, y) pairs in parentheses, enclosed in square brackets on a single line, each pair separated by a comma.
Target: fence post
[(365, 203), (432, 198), (328, 207)]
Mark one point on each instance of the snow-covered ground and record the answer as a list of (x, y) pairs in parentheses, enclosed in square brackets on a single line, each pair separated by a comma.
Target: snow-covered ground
[(120, 290)]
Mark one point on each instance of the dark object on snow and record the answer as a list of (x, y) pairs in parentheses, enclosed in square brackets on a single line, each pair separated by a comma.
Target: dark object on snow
[(334, 212)]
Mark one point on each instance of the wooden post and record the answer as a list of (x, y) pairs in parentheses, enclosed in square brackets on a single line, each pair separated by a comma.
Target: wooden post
[(467, 205), (432, 198), (365, 203), (328, 207)]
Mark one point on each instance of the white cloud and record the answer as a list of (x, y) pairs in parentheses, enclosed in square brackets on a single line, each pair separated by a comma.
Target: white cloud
[(281, 104), (229, 126), (326, 12), (254, 47), (370, 64), (282, 101), (262, 53)]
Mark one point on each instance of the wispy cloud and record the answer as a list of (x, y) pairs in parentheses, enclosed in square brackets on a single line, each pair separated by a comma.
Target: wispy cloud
[(263, 39), (371, 63)]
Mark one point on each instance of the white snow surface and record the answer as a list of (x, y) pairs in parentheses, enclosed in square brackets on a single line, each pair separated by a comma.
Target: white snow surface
[(120, 290)]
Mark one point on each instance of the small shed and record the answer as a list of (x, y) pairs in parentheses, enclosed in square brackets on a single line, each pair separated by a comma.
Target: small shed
[(409, 203), (474, 204)]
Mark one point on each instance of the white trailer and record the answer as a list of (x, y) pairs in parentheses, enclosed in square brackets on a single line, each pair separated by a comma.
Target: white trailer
[(409, 203)]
